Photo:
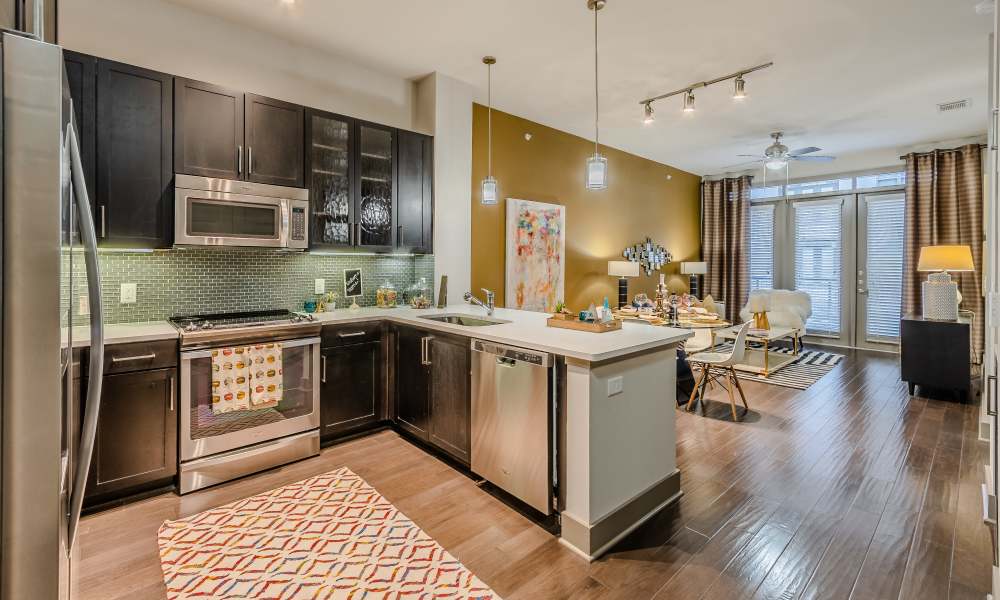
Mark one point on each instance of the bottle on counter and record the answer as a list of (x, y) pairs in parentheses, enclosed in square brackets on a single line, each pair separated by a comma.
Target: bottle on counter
[(386, 295)]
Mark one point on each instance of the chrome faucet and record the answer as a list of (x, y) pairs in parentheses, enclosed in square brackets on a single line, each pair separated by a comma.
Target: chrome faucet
[(489, 305)]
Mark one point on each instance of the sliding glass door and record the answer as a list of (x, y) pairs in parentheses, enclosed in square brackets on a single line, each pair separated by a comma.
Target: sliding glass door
[(880, 270)]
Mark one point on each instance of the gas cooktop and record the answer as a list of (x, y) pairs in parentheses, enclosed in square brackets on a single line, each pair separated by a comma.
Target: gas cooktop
[(216, 330), (238, 320)]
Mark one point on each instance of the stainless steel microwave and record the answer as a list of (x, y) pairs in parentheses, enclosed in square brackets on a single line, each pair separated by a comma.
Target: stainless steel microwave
[(223, 212)]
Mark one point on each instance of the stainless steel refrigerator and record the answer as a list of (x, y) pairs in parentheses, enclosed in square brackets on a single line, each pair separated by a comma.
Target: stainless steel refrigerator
[(46, 429)]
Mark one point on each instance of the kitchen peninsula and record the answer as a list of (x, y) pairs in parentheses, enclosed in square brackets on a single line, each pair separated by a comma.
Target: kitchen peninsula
[(615, 442)]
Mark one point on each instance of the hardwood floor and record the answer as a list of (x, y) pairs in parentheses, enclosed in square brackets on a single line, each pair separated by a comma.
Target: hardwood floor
[(850, 489)]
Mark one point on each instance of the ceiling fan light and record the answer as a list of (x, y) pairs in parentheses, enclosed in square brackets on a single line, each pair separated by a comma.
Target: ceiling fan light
[(689, 102), (597, 172), (740, 92), (649, 117), (775, 164)]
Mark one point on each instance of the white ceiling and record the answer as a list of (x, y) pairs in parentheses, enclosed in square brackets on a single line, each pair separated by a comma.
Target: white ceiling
[(850, 76)]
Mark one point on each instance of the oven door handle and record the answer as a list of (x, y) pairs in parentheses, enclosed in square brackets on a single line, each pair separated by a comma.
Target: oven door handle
[(195, 354)]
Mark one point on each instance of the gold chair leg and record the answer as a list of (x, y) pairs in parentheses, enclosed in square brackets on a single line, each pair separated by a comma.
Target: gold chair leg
[(697, 386), (732, 400), (739, 386)]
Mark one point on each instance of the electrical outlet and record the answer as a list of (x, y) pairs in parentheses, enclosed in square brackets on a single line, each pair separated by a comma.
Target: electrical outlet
[(320, 286), (616, 385), (84, 309), (128, 293)]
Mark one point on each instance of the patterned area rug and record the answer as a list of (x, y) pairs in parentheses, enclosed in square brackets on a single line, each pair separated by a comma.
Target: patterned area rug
[(331, 536), (800, 374)]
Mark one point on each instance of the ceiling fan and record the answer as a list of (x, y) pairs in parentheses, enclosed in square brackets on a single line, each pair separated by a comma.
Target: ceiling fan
[(777, 155)]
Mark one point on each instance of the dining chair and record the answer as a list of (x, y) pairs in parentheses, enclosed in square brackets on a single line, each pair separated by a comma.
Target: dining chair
[(719, 366)]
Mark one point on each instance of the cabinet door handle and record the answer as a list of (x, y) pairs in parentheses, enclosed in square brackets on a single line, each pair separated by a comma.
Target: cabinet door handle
[(357, 233), (249, 160), (350, 335), (104, 222), (322, 376), (425, 351), (399, 235), (239, 160), (172, 393), (119, 359), (991, 395)]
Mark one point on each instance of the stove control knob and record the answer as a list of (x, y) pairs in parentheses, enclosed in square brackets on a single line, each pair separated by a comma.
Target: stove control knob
[(191, 327), (208, 325)]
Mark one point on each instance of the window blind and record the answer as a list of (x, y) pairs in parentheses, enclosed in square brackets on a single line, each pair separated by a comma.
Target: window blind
[(818, 268), (762, 247), (884, 245)]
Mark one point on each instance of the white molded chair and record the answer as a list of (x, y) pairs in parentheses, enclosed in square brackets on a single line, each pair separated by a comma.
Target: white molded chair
[(719, 366)]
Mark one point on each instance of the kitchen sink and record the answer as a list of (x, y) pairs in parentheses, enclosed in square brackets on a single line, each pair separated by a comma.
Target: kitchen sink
[(464, 320)]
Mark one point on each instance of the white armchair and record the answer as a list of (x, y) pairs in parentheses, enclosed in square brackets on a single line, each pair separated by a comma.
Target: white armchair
[(789, 308)]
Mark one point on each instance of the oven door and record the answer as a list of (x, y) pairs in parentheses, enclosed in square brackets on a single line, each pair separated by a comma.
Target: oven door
[(212, 218), (205, 432)]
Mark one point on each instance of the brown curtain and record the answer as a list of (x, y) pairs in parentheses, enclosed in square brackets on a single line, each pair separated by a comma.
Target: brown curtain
[(725, 241), (944, 205)]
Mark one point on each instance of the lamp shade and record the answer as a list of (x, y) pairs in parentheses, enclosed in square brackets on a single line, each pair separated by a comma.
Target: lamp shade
[(694, 268), (623, 268), (945, 258)]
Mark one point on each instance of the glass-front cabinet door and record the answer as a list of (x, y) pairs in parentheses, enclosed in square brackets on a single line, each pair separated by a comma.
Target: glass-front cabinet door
[(376, 187), (330, 138)]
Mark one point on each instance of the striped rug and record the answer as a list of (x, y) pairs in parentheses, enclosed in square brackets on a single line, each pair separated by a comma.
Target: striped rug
[(800, 374), (332, 536)]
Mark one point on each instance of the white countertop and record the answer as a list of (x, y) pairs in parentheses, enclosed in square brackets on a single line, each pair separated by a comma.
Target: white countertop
[(524, 329)]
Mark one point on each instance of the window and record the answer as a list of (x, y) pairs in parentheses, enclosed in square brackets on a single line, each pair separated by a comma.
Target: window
[(762, 193), (762, 247), (881, 180), (817, 239), (819, 187), (884, 266)]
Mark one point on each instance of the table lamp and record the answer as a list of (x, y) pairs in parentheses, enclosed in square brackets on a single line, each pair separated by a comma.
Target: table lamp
[(940, 293), (623, 269), (694, 269)]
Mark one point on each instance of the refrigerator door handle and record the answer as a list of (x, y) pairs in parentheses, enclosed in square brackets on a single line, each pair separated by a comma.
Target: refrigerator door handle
[(92, 405)]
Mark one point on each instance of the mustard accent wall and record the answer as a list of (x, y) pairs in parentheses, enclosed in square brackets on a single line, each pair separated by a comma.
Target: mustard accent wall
[(640, 201)]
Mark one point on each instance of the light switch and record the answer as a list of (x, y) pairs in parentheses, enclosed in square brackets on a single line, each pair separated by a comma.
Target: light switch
[(128, 293), (320, 286), (616, 385)]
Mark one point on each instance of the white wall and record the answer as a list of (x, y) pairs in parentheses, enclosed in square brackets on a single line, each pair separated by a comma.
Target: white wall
[(170, 38)]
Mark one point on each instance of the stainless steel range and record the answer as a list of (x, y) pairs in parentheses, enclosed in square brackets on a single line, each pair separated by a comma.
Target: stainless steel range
[(220, 441)]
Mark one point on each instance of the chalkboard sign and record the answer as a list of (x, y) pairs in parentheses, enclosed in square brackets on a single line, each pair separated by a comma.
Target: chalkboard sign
[(352, 282)]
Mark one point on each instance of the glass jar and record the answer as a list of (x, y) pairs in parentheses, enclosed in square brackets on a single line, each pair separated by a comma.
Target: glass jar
[(386, 295), (419, 295)]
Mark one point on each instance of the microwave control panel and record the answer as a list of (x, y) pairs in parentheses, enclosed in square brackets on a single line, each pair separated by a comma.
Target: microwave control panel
[(298, 231)]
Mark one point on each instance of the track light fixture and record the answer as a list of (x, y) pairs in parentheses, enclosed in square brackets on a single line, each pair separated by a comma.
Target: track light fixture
[(739, 90), (649, 116), (689, 102)]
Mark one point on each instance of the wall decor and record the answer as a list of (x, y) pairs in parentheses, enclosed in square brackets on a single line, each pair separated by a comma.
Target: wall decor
[(650, 256), (536, 251)]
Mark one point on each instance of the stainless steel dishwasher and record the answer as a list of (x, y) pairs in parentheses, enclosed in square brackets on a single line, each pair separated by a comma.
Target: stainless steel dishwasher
[(511, 440)]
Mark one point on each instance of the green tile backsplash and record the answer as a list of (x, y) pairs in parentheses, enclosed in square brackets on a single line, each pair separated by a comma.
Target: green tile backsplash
[(212, 280)]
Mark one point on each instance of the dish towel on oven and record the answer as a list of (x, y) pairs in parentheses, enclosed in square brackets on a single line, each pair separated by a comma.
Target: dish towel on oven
[(230, 377), (266, 387)]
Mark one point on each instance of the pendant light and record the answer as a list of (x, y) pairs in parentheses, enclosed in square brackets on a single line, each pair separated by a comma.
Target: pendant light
[(597, 165), (490, 183)]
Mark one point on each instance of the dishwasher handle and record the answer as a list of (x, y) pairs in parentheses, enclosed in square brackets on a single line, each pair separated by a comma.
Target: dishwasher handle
[(511, 355)]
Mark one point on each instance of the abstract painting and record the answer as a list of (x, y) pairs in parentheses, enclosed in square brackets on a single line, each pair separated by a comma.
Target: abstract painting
[(536, 255)]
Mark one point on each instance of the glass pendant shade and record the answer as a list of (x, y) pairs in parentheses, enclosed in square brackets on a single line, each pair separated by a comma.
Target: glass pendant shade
[(597, 172), (489, 190), (775, 164)]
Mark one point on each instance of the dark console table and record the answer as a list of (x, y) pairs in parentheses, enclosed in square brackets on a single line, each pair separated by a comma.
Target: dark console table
[(936, 354)]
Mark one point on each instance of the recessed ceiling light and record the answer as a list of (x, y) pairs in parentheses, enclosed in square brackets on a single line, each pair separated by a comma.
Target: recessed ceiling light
[(287, 2), (986, 7)]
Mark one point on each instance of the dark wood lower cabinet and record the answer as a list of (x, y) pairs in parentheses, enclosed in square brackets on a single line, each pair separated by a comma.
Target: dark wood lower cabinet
[(136, 445), (433, 389), (450, 422), (351, 388), (412, 383)]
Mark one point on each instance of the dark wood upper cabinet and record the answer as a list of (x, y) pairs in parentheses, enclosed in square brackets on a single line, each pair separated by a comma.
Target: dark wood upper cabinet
[(81, 72), (209, 134), (450, 369), (412, 383), (350, 388), (330, 165), (134, 156), (375, 228), (136, 444), (274, 139), (415, 192)]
